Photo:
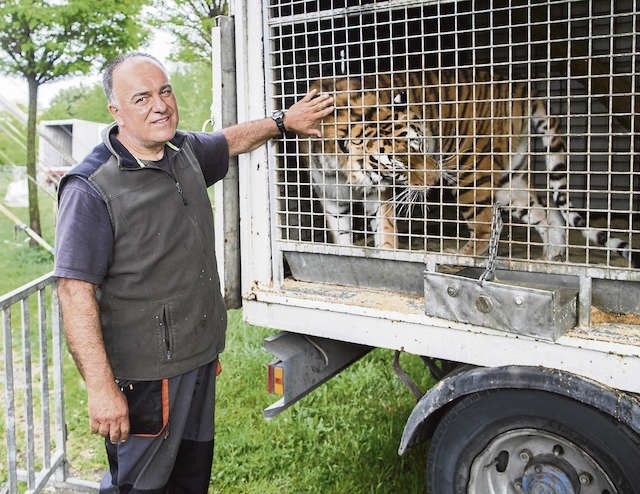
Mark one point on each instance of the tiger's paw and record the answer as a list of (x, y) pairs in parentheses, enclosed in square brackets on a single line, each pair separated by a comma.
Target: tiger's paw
[(451, 250), (465, 250), (555, 254)]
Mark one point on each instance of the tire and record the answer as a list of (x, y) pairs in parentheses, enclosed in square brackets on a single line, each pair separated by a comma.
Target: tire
[(531, 438)]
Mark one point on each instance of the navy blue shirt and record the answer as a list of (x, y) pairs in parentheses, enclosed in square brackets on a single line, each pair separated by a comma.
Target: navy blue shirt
[(84, 236)]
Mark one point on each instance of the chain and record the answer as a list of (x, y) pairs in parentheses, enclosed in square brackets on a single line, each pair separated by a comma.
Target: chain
[(496, 229)]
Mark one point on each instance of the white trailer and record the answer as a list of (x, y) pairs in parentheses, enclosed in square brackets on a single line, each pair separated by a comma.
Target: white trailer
[(538, 363)]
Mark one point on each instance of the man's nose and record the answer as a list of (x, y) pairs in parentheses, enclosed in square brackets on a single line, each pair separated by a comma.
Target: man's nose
[(159, 104)]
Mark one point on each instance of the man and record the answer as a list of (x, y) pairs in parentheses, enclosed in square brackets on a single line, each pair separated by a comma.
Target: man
[(143, 314)]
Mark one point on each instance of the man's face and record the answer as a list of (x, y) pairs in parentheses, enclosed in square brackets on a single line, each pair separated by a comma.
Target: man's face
[(145, 107)]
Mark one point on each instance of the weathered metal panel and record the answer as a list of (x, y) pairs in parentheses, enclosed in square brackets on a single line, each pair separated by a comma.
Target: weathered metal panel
[(610, 355), (399, 276), (622, 406), (308, 362), (619, 297), (530, 304)]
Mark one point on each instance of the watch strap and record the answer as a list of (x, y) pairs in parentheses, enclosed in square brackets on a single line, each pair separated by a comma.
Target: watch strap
[(278, 118)]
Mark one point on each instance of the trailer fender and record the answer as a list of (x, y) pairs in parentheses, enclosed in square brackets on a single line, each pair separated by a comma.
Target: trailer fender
[(624, 407)]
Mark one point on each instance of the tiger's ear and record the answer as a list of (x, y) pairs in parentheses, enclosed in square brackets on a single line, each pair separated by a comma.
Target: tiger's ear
[(400, 98)]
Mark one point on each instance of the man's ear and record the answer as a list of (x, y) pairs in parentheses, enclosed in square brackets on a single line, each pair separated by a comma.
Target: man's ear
[(114, 112)]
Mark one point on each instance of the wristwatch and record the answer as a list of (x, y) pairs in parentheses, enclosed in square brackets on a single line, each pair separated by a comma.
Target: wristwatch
[(278, 118)]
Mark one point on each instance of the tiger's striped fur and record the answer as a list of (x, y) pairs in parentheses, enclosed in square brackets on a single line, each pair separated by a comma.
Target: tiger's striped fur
[(465, 129), (353, 162)]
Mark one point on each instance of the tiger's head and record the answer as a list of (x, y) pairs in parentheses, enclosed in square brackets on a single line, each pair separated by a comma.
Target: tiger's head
[(390, 150), (376, 137)]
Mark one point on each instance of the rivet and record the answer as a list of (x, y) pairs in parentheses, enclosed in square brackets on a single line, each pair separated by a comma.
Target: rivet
[(484, 304)]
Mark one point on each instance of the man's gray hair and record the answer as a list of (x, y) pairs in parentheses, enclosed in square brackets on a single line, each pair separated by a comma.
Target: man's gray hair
[(107, 77)]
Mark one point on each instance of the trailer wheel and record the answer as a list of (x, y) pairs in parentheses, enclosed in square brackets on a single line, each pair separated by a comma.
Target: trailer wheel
[(528, 441)]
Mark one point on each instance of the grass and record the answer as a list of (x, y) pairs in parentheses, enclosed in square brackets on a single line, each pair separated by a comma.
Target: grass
[(20, 264), (341, 438)]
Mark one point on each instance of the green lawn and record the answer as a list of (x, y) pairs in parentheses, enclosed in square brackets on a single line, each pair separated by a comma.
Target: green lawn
[(342, 438)]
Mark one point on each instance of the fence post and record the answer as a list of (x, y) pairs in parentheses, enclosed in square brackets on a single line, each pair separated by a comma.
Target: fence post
[(10, 418), (28, 393), (58, 382)]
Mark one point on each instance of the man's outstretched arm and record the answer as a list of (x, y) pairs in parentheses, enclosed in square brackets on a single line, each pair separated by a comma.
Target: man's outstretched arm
[(302, 118)]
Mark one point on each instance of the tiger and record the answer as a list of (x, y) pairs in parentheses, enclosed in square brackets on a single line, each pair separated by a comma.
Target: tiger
[(352, 163), (465, 129)]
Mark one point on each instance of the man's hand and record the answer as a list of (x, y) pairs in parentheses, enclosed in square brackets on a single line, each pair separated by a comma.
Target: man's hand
[(109, 413), (304, 116)]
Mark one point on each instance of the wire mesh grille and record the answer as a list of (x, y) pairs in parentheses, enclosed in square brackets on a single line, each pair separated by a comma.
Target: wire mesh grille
[(444, 108)]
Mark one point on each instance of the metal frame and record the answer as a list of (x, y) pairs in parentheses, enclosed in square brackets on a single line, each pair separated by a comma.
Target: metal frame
[(396, 321), (32, 438)]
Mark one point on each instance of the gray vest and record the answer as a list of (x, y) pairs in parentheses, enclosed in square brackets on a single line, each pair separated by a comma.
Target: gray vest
[(161, 309)]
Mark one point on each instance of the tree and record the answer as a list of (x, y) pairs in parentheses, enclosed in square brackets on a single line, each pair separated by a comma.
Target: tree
[(192, 87), (190, 22), (82, 102), (45, 40)]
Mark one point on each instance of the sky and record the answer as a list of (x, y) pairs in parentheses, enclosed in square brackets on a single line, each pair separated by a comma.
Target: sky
[(15, 89)]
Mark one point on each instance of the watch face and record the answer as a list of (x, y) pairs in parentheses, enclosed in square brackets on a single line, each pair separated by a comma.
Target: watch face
[(278, 117)]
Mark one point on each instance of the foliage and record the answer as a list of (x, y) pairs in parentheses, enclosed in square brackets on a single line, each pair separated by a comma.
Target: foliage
[(190, 22), (44, 40), (82, 102), (192, 87), (191, 84), (343, 437), (48, 40), (19, 263)]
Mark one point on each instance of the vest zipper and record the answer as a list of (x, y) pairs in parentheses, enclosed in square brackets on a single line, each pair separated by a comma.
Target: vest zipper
[(177, 182), (166, 335), (179, 189)]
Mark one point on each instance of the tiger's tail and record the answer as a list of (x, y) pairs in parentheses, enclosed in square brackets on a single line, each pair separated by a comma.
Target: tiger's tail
[(621, 247)]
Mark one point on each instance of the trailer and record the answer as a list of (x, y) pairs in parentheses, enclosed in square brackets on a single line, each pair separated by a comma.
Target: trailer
[(537, 356)]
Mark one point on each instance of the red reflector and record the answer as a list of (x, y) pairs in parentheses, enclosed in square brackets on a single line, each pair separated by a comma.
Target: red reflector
[(270, 379), (275, 383)]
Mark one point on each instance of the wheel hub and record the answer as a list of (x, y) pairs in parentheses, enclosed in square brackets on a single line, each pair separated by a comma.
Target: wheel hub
[(534, 461), (548, 474)]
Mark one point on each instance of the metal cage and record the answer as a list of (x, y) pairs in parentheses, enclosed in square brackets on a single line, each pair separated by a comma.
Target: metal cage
[(578, 58)]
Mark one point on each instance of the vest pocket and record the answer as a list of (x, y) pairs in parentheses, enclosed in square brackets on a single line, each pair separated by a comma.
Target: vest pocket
[(165, 332)]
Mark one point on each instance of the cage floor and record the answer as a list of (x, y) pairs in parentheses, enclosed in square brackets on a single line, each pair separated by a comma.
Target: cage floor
[(606, 327)]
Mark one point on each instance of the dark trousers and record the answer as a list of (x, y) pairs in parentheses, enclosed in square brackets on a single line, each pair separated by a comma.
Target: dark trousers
[(173, 457)]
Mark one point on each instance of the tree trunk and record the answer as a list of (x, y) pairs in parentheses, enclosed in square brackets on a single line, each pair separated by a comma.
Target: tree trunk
[(34, 210)]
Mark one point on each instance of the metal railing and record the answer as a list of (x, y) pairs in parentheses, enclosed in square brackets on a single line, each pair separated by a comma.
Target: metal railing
[(32, 378)]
